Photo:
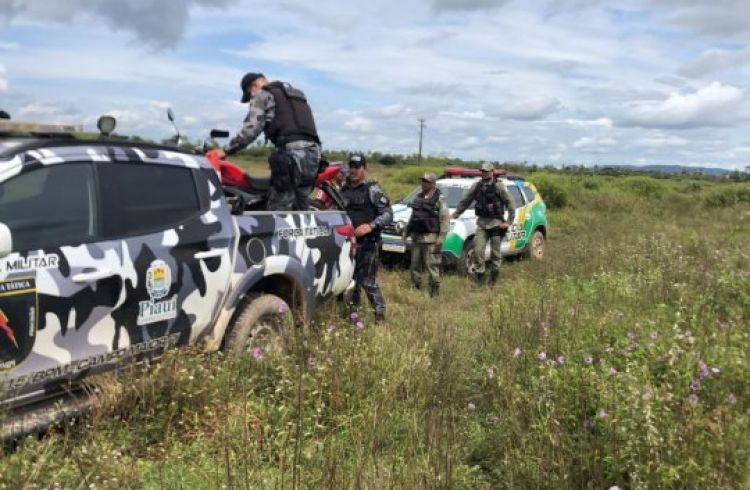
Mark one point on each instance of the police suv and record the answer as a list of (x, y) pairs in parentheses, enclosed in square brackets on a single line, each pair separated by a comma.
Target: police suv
[(113, 251), (525, 237)]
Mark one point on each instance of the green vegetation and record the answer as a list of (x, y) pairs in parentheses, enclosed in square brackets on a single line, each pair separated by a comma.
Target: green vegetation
[(621, 359)]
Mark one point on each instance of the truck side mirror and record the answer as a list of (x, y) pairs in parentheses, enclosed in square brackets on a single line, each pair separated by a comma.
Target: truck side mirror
[(6, 240)]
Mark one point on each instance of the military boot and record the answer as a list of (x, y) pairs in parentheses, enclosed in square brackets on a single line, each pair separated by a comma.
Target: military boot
[(494, 275), (479, 279), (379, 317), (434, 290)]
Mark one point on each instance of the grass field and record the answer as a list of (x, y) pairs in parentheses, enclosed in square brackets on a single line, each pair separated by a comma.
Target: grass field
[(621, 359)]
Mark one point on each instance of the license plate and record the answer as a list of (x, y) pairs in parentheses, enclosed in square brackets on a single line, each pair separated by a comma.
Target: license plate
[(392, 247)]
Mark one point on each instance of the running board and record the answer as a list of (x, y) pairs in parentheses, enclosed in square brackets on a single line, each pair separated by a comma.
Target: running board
[(39, 417)]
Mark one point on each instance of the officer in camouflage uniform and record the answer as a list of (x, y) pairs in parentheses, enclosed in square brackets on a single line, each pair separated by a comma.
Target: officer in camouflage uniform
[(369, 209), (428, 225), (282, 112), (492, 200)]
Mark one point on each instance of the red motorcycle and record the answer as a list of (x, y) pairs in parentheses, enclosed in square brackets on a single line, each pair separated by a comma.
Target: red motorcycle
[(251, 193)]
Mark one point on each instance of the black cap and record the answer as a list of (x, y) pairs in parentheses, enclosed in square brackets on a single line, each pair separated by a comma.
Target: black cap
[(247, 80), (357, 160)]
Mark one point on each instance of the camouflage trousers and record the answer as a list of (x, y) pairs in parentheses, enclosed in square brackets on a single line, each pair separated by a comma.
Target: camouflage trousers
[(423, 257), (366, 263), (293, 171), (495, 237)]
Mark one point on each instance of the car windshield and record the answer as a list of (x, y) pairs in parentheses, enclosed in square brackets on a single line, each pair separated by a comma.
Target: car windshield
[(452, 193)]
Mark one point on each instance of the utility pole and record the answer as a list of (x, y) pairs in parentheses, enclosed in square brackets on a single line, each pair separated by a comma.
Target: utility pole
[(421, 130)]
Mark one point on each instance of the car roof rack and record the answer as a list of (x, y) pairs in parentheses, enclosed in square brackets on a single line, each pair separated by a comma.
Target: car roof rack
[(21, 128), (458, 172)]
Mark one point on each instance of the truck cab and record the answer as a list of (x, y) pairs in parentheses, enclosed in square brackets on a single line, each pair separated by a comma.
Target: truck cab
[(114, 251)]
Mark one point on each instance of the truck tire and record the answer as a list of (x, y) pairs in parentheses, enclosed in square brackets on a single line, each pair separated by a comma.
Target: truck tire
[(535, 248), (261, 327)]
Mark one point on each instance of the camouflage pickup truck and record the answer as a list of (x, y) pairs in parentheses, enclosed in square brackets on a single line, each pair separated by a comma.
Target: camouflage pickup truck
[(114, 251)]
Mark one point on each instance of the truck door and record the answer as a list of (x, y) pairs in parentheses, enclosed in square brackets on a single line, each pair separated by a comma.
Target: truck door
[(177, 245), (60, 283)]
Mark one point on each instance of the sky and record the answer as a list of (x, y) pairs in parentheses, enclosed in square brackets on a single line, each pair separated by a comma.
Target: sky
[(562, 82)]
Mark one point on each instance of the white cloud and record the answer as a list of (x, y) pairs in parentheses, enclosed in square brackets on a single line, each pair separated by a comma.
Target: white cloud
[(713, 105), (602, 122), (590, 143), (440, 5), (468, 143), (714, 60), (12, 46), (531, 109), (358, 123), (389, 111), (3, 80), (659, 141)]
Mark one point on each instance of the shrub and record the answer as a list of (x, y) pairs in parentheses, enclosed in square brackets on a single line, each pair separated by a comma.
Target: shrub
[(554, 195), (728, 196)]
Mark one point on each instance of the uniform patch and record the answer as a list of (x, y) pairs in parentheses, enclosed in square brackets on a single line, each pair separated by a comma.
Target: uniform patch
[(18, 307), (158, 285)]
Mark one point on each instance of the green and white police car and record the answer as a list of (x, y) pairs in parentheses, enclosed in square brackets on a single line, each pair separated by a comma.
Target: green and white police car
[(526, 236)]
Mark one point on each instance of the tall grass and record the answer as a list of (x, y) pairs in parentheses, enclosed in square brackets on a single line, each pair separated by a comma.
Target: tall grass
[(621, 359)]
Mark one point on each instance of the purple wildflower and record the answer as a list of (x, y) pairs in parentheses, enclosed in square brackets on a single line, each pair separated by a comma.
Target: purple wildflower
[(517, 352), (588, 361), (602, 414), (353, 316), (282, 307), (693, 399), (560, 360), (614, 487), (257, 352), (360, 325), (703, 370), (541, 356), (695, 385)]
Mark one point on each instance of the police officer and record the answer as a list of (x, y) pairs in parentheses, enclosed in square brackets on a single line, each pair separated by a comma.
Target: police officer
[(492, 200), (428, 225), (369, 209), (282, 112)]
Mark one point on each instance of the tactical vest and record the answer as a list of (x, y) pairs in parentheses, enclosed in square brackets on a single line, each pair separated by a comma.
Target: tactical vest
[(359, 207), (293, 120), (425, 216), (488, 203)]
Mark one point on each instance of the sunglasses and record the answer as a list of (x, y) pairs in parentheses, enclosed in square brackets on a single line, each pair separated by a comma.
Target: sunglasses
[(356, 165)]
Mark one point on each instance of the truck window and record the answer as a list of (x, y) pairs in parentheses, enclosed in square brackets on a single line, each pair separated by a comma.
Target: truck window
[(515, 194), (50, 207), (141, 198), (529, 193)]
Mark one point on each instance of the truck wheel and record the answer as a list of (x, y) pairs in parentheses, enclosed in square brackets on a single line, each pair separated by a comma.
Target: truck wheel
[(261, 326), (465, 265), (535, 248)]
